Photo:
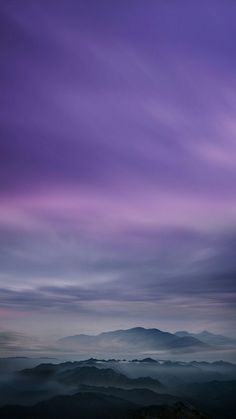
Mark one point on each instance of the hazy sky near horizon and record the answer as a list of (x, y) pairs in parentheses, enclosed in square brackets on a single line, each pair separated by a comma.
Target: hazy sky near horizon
[(118, 165)]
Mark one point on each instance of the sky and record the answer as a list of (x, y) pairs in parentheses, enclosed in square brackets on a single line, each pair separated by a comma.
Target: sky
[(117, 166)]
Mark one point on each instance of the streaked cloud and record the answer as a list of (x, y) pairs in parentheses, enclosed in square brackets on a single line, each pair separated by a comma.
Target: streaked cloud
[(118, 167)]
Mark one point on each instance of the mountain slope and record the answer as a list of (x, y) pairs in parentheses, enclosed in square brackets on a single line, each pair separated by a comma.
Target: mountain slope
[(208, 338), (87, 375), (215, 397), (99, 406), (139, 396)]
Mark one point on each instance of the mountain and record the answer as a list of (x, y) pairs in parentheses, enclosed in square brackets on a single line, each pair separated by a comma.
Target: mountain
[(17, 363), (136, 389), (135, 339), (215, 397), (99, 406), (100, 377), (178, 411), (208, 338), (140, 396), (81, 405), (87, 375)]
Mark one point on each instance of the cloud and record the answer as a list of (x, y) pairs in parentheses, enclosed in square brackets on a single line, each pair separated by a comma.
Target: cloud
[(168, 266), (117, 179), (12, 341), (137, 136)]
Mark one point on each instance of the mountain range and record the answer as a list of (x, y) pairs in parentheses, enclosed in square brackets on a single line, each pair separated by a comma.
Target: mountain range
[(138, 339), (69, 374), (137, 389)]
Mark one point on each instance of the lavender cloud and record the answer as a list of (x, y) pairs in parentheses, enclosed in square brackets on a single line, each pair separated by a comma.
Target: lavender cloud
[(118, 168)]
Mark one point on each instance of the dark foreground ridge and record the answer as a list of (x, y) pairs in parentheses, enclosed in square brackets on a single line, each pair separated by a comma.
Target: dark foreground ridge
[(96, 406)]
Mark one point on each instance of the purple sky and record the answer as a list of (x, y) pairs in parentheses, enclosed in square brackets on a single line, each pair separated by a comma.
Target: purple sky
[(118, 165)]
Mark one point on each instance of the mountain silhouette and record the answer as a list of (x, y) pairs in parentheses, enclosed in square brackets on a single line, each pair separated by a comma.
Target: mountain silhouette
[(99, 406), (87, 375), (137, 338)]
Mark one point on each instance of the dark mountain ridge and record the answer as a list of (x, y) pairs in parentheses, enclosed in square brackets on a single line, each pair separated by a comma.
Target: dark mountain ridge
[(99, 406), (121, 389), (87, 375)]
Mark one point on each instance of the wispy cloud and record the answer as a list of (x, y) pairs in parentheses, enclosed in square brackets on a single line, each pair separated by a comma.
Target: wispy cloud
[(118, 165)]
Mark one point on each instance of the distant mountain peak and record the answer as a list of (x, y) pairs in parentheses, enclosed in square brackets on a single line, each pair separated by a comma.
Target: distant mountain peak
[(135, 339)]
